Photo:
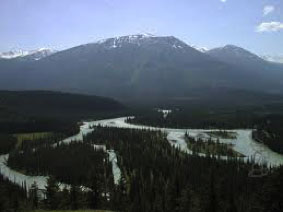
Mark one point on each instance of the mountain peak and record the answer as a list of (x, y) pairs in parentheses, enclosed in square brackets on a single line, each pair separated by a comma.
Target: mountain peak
[(231, 46), (128, 37), (235, 55), (139, 39), (236, 49)]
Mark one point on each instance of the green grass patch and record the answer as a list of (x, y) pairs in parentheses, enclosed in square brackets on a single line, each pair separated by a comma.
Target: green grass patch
[(223, 134), (31, 136)]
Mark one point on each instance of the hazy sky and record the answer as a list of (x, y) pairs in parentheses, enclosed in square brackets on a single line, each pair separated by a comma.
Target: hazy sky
[(253, 24)]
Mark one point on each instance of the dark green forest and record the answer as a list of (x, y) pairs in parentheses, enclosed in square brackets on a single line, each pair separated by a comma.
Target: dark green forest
[(41, 111), (155, 177), (55, 104), (270, 132), (12, 197), (49, 112), (74, 163)]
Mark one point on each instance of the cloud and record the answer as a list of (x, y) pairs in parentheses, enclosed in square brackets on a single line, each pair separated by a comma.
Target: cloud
[(273, 26), (223, 1), (268, 9)]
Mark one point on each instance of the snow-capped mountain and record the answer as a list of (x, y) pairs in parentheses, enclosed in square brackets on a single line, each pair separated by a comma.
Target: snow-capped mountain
[(142, 66), (141, 40), (31, 54)]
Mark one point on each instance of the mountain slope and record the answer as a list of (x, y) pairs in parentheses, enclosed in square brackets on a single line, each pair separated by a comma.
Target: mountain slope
[(136, 67)]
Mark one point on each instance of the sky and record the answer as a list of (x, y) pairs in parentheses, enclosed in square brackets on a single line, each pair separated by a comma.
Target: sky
[(256, 25)]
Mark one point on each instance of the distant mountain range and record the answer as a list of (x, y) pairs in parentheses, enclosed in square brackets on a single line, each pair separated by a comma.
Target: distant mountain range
[(142, 67), (31, 54)]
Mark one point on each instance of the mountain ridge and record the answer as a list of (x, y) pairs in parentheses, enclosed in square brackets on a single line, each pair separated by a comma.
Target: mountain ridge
[(137, 67)]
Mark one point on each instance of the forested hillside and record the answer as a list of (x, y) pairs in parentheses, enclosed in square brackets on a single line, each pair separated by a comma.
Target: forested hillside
[(54, 104), (41, 111)]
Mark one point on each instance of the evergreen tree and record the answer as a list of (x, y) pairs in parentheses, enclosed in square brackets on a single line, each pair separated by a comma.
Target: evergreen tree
[(94, 196), (64, 197), (52, 197), (185, 200), (74, 197), (212, 201), (33, 195)]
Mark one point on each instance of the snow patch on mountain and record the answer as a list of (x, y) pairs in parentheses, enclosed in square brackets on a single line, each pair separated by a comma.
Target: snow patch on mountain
[(140, 39), (201, 49), (13, 54), (273, 58), (31, 54), (129, 39)]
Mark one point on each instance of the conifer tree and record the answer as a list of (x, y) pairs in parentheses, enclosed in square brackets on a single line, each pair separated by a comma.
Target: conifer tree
[(74, 197), (33, 195), (52, 197)]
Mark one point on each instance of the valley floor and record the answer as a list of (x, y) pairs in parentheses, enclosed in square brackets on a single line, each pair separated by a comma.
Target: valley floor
[(242, 143), (151, 154)]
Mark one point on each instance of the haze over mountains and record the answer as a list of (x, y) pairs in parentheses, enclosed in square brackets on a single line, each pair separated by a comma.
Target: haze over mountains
[(142, 67)]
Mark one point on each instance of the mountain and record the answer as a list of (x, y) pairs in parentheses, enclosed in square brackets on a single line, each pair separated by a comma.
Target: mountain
[(273, 58), (241, 57), (252, 63), (139, 67), (29, 55), (235, 55)]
